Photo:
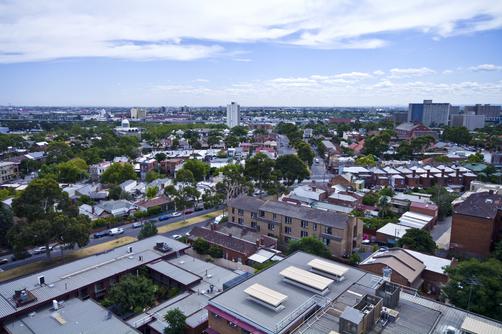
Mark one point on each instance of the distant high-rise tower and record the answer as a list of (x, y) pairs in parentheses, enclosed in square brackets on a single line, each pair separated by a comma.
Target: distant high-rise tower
[(233, 114), (138, 113), (429, 114)]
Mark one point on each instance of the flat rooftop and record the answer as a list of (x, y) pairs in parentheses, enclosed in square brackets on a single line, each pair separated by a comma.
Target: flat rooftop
[(74, 275), (74, 316), (416, 314)]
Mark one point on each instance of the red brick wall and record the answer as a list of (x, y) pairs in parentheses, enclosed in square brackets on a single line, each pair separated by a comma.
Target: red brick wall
[(471, 235)]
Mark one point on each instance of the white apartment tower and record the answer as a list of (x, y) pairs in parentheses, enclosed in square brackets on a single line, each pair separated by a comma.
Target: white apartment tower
[(233, 114), (138, 113)]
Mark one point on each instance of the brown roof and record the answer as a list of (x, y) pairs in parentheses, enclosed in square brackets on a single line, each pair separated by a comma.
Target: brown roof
[(224, 240), (154, 202), (399, 261), (483, 205)]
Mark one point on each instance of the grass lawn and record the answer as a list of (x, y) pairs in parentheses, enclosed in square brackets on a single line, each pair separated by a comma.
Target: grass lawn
[(75, 255), (187, 222)]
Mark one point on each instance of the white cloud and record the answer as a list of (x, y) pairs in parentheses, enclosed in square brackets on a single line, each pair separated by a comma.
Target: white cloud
[(447, 72), (378, 72), (486, 68), (200, 80), (410, 72), (195, 29)]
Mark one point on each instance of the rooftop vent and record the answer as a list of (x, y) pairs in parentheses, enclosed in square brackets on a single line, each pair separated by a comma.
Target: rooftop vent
[(41, 280), (162, 247), (266, 297), (306, 280), (23, 297), (329, 269)]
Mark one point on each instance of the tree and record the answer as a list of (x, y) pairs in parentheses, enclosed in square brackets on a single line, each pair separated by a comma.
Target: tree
[(310, 245), (118, 173), (231, 141), (199, 168), (305, 152), (115, 192), (58, 151), (239, 131), (184, 176), (377, 144), (498, 251), (457, 134), (72, 171), (292, 168), (366, 160), (234, 183), (5, 223), (443, 199), (370, 199), (152, 176), (152, 192), (201, 246), (476, 286), (131, 294), (161, 156), (259, 168), (354, 258), (418, 240), (477, 157), (215, 251), (175, 322), (147, 230)]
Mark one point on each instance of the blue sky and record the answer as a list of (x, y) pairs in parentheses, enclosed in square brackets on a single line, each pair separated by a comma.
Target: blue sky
[(281, 52)]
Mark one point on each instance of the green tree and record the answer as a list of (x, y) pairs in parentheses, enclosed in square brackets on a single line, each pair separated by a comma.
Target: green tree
[(418, 240), (147, 230), (152, 192), (354, 258), (259, 168), (215, 251), (115, 192), (377, 144), (476, 286), (231, 141), (199, 168), (366, 160), (498, 251), (443, 199), (310, 245), (175, 320), (131, 294), (201, 246), (477, 157), (184, 176), (161, 156), (234, 183), (152, 176), (72, 171), (239, 131), (305, 152), (58, 151), (292, 168), (118, 173), (5, 223), (370, 199), (459, 135)]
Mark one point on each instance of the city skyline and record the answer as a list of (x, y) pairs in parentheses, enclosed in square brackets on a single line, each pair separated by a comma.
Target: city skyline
[(260, 53)]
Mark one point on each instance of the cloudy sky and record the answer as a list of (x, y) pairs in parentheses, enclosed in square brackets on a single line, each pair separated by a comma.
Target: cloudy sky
[(270, 52)]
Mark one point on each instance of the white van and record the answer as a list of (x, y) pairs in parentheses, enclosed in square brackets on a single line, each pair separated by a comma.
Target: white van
[(115, 231)]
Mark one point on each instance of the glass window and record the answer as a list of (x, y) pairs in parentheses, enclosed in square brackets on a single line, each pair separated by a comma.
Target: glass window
[(304, 234)]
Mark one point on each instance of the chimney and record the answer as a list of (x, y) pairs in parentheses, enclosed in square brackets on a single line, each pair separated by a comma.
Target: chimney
[(442, 173), (230, 235), (258, 243), (212, 227), (413, 172), (457, 172), (428, 173)]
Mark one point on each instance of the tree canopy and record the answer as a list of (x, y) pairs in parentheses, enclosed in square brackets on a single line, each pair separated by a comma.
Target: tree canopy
[(476, 286), (459, 135), (418, 240), (147, 230), (292, 168), (175, 322), (199, 168), (305, 152), (118, 173), (310, 245), (131, 294)]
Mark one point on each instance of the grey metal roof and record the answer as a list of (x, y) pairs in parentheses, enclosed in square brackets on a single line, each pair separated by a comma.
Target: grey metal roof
[(79, 316), (246, 203), (328, 218), (167, 269), (83, 272)]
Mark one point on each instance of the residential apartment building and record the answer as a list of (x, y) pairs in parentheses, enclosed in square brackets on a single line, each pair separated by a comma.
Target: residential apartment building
[(340, 232), (233, 114), (477, 224), (428, 113), (484, 109), (138, 113), (470, 121), (8, 171)]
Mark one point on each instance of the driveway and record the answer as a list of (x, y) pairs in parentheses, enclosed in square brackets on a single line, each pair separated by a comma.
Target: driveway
[(441, 233)]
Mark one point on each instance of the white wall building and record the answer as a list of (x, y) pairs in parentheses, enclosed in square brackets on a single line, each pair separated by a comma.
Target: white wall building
[(138, 113), (233, 114)]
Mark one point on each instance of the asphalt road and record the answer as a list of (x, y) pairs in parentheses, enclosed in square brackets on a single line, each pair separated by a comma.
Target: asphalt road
[(283, 147), (128, 231), (318, 170)]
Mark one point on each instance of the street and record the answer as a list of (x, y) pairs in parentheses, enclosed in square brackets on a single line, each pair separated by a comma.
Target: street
[(283, 147), (128, 231)]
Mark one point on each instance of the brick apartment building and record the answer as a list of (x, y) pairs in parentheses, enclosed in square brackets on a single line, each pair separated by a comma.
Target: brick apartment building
[(477, 224), (339, 232)]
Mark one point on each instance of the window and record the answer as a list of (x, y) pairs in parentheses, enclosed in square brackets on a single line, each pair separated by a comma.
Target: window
[(305, 224), (287, 230), (271, 227), (274, 217), (253, 224), (216, 316), (262, 213), (240, 221), (253, 214), (233, 219), (288, 220), (314, 226), (328, 230), (233, 210), (304, 234), (240, 212), (325, 241), (231, 324)]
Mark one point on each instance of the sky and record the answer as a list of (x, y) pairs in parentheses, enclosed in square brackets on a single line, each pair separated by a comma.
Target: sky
[(256, 52)]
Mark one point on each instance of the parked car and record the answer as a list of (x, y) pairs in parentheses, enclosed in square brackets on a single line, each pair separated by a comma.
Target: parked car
[(137, 224), (176, 237), (116, 231), (41, 250), (170, 215), (101, 234), (4, 261)]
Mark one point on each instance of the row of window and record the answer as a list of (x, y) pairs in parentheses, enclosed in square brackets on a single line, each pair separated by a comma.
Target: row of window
[(271, 226)]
